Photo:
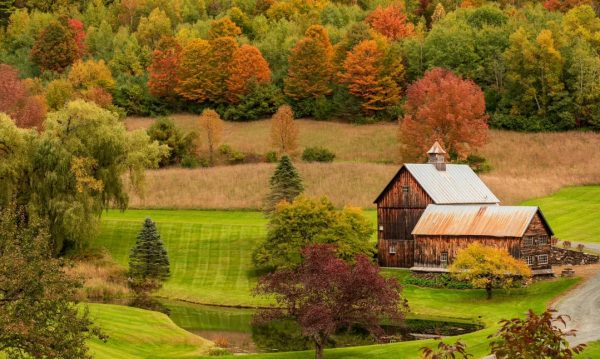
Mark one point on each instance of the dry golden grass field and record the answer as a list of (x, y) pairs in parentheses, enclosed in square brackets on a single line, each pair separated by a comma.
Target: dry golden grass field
[(524, 165)]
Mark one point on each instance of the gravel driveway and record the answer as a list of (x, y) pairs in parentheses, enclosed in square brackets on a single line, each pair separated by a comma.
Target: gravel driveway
[(583, 306)]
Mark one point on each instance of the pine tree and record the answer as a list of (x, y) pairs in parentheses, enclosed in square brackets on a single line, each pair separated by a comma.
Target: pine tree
[(148, 259), (285, 184)]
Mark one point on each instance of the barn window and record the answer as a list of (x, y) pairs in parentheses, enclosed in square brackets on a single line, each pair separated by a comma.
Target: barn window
[(405, 189), (543, 259), (530, 260), (393, 249), (528, 241), (444, 258), (542, 240)]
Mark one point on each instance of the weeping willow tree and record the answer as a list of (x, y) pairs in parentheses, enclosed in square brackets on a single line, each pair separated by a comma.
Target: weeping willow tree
[(73, 170)]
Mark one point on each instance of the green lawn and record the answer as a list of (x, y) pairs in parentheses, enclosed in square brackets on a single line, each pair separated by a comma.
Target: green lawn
[(136, 333), (209, 251), (573, 213)]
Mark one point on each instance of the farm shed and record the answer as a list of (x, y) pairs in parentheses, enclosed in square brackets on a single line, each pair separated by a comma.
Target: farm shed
[(443, 230)]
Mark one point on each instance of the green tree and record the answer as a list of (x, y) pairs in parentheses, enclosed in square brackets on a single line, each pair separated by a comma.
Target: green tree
[(38, 315), (488, 267), (295, 225), (165, 131), (285, 184), (55, 48), (58, 93), (153, 27), (148, 260), (75, 169)]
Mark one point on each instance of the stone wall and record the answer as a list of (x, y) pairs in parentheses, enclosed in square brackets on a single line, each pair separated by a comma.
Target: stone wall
[(561, 256)]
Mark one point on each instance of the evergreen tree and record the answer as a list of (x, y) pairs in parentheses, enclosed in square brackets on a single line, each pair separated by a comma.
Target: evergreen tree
[(285, 183), (148, 259)]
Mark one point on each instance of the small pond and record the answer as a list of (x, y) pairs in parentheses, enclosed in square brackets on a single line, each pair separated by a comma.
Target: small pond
[(233, 328)]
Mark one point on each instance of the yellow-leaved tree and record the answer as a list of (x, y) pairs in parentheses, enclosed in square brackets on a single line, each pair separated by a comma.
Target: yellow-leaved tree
[(211, 123), (488, 267), (284, 130)]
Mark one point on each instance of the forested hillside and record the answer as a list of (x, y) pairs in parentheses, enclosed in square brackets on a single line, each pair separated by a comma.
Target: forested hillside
[(536, 62)]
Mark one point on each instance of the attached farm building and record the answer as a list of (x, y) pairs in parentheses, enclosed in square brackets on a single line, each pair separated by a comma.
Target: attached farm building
[(428, 212)]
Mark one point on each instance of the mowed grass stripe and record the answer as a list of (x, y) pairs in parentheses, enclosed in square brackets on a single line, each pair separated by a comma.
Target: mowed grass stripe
[(573, 213), (210, 262)]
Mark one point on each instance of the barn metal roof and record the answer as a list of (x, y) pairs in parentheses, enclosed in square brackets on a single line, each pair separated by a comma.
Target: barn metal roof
[(458, 184), (474, 220)]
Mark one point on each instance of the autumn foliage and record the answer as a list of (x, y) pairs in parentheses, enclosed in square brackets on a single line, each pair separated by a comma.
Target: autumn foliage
[(391, 22), (194, 71), (55, 48), (364, 74), (78, 32), (163, 70), (443, 107), (284, 130), (310, 66), (325, 294), (222, 28), (247, 66), (27, 111), (211, 123)]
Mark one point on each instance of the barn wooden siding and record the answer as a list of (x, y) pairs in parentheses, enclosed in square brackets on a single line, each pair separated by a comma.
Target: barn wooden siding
[(398, 212), (537, 230), (428, 249)]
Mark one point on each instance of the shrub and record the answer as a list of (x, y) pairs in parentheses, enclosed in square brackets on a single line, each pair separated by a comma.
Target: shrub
[(217, 352), (566, 244), (190, 161), (580, 247), (271, 157), (167, 133), (437, 281), (261, 101), (317, 154)]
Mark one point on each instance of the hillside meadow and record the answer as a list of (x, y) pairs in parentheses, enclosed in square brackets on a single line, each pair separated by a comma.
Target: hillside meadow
[(524, 165)]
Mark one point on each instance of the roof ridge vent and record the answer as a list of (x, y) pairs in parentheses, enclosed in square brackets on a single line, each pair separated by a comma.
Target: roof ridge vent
[(437, 156)]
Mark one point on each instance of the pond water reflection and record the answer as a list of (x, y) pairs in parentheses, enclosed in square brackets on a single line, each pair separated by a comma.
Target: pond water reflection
[(233, 328)]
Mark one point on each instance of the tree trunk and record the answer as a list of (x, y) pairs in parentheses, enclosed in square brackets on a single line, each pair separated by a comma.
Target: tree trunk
[(488, 289), (318, 350)]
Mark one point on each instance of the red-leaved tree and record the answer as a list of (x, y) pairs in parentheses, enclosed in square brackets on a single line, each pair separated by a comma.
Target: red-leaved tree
[(325, 294), (27, 111), (446, 108), (78, 30), (390, 22), (163, 70)]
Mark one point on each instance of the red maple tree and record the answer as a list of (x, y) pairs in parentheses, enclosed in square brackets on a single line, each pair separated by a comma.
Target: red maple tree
[(325, 294), (446, 108), (390, 22), (27, 111), (78, 30), (162, 71)]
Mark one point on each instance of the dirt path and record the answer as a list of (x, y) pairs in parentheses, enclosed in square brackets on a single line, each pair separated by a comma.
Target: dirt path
[(583, 306)]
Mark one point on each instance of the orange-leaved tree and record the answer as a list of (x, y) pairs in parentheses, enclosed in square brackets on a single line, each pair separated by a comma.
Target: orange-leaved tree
[(488, 267), (284, 130), (211, 123), (310, 67), (162, 71), (247, 66), (367, 77), (390, 22), (446, 108)]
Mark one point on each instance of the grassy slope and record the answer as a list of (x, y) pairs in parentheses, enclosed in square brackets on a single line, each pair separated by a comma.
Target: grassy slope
[(210, 252), (136, 333), (573, 213)]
